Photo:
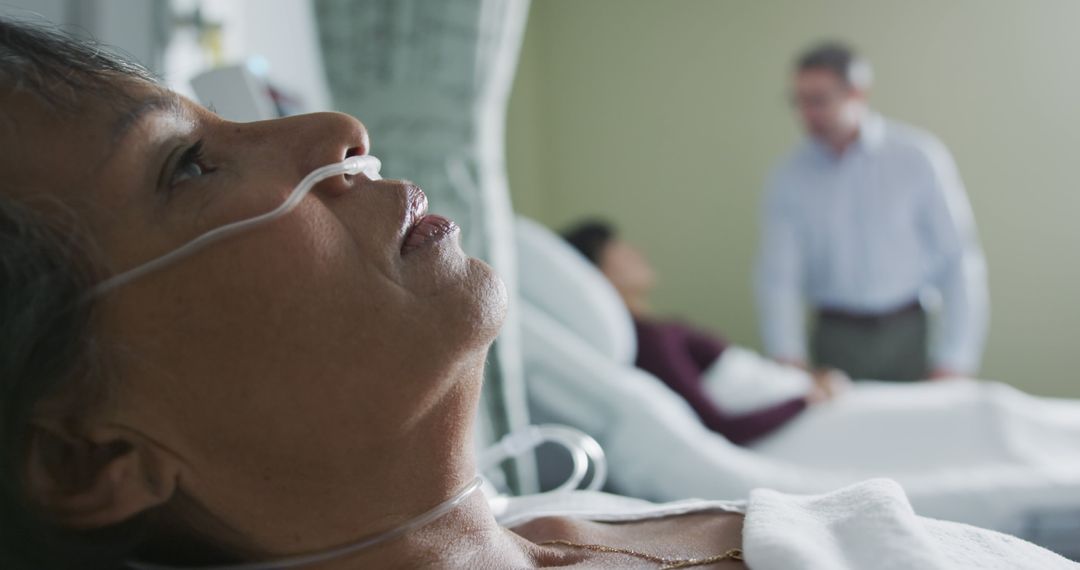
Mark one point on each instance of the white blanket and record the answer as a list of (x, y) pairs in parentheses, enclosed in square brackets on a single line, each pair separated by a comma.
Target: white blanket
[(872, 525), (903, 429), (979, 452), (869, 525)]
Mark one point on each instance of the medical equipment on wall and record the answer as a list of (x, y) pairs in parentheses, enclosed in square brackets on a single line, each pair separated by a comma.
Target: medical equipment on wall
[(236, 93), (366, 164), (582, 447)]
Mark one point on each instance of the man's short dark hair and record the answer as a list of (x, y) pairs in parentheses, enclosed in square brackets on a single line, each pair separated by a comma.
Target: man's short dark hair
[(840, 59)]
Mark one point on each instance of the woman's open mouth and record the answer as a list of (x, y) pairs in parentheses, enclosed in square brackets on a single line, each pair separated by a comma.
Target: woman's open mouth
[(428, 229), (423, 228)]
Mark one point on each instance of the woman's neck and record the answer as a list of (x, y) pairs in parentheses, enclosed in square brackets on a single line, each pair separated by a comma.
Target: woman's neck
[(407, 477), (637, 304), (467, 537)]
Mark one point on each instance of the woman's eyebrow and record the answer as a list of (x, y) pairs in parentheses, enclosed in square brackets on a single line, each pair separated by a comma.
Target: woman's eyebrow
[(161, 102), (166, 101)]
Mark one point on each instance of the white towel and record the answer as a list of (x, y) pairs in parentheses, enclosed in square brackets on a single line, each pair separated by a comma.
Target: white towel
[(872, 525)]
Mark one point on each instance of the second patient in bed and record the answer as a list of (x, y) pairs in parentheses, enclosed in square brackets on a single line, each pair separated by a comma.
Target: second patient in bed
[(691, 361)]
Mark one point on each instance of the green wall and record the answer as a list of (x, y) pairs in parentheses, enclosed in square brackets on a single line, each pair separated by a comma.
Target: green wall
[(665, 116)]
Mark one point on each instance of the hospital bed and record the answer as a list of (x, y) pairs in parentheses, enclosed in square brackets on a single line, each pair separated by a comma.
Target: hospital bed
[(1020, 476)]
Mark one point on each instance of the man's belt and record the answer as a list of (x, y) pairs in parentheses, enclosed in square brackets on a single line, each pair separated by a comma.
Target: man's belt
[(870, 318)]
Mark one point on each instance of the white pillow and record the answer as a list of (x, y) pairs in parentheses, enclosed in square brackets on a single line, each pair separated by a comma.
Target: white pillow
[(555, 278)]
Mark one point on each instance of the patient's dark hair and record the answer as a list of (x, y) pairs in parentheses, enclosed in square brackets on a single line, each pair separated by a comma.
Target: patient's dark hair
[(46, 346), (57, 68), (589, 237), (44, 349)]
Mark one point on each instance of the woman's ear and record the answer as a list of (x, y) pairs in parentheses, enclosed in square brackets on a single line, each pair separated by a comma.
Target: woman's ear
[(98, 478)]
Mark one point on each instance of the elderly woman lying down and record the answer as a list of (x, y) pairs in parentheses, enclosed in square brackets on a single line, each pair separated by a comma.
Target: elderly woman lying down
[(298, 393)]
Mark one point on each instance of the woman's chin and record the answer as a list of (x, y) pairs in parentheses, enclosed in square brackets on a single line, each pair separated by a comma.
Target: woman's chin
[(465, 313), (490, 301)]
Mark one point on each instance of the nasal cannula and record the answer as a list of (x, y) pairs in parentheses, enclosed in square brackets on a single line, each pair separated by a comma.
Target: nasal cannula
[(353, 165)]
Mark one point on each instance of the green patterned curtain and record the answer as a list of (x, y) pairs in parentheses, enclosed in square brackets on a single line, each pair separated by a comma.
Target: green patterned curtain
[(431, 80)]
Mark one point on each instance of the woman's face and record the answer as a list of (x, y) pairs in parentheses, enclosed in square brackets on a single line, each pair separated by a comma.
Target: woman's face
[(627, 269), (309, 342)]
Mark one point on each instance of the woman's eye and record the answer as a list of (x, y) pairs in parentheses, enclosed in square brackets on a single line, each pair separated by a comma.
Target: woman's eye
[(191, 165), (187, 171)]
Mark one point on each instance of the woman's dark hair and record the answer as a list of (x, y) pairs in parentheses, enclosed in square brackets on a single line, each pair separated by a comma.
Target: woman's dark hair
[(45, 348), (46, 345), (589, 237), (57, 68)]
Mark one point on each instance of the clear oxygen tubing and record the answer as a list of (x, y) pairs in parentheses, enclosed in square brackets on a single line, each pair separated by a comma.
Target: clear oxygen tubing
[(353, 165), (316, 557), (583, 448)]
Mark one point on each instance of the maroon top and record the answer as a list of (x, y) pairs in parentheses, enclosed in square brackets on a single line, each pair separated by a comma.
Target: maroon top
[(678, 355)]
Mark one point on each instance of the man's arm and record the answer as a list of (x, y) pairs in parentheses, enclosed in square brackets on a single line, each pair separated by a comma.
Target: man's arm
[(959, 271), (779, 279)]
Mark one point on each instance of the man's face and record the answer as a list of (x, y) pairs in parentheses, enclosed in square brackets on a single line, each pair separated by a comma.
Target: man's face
[(828, 107)]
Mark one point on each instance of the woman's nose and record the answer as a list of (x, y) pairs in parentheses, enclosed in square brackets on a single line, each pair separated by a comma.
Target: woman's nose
[(327, 138)]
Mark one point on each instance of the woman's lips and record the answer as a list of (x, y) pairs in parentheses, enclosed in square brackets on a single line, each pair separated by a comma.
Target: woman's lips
[(427, 230)]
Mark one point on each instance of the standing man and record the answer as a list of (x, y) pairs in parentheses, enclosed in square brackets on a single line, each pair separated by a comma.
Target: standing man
[(865, 221)]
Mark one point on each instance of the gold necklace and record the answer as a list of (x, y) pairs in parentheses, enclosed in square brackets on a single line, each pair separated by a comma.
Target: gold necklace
[(666, 563)]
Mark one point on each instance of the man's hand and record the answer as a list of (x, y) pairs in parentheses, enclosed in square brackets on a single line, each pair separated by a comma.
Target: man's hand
[(939, 373), (794, 363), (829, 383)]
